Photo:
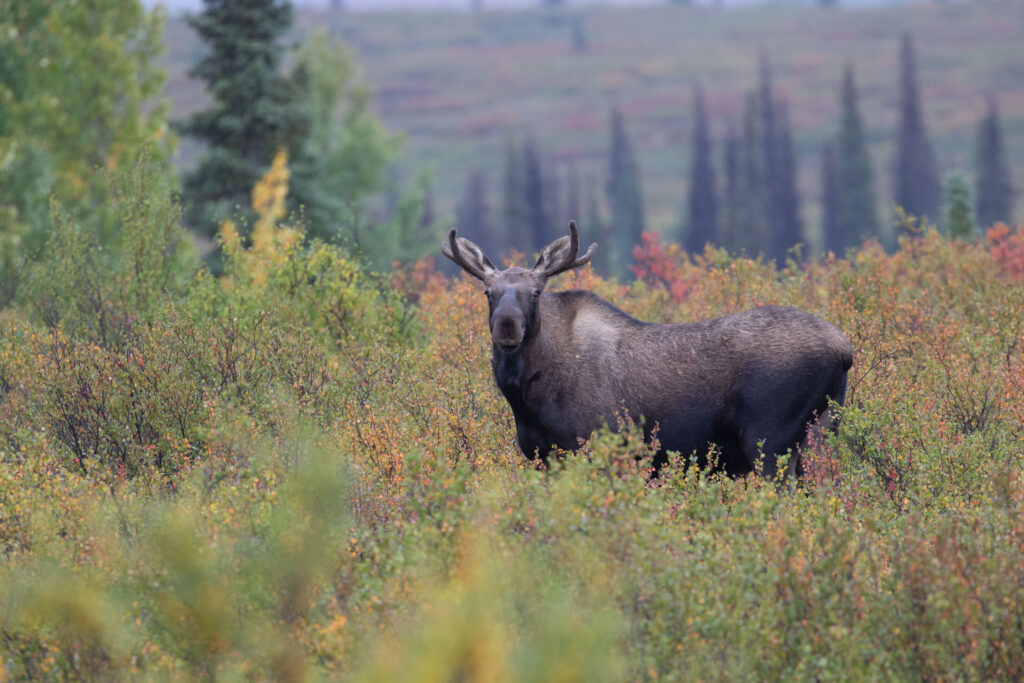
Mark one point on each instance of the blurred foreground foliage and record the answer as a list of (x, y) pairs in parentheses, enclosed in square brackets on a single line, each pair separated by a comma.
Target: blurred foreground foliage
[(302, 470)]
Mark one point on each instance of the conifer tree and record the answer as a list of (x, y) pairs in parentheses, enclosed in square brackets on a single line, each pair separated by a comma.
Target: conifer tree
[(753, 219), (598, 226), (835, 240), (427, 201), (580, 43), (917, 187), (857, 207), (702, 204), (472, 216), (255, 111), (958, 214), (514, 222), (573, 206), (625, 199), (533, 196), (788, 230), (557, 222), (768, 140), (732, 200), (992, 189)]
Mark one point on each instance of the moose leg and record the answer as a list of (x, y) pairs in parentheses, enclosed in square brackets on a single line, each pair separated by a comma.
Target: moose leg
[(764, 444)]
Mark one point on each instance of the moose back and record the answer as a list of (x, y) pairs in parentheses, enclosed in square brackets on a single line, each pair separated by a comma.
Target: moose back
[(752, 384)]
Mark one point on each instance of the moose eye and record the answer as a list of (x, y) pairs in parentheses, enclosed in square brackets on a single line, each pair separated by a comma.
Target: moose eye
[(536, 293)]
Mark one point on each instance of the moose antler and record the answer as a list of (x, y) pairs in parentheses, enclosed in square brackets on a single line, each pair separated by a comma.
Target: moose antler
[(467, 255), (561, 255)]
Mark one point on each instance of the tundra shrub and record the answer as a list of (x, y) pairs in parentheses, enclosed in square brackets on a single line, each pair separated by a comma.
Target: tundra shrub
[(288, 471)]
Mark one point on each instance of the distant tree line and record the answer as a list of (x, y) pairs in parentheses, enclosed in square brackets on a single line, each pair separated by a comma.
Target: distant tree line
[(753, 205)]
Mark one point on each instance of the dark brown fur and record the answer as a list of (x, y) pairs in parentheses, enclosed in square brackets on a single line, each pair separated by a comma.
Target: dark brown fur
[(568, 362)]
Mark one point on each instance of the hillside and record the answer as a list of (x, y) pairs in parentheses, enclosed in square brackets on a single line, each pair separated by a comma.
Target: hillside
[(456, 83)]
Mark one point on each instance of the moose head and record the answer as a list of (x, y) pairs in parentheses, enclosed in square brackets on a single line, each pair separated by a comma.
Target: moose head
[(513, 293)]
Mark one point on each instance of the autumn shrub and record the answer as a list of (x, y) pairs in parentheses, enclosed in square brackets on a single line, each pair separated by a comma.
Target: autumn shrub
[(300, 470), (1007, 247)]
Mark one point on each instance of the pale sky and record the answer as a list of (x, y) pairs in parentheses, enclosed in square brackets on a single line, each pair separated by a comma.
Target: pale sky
[(364, 5)]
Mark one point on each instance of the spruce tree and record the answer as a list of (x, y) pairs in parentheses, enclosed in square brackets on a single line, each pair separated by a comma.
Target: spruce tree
[(573, 206), (427, 208), (702, 204), (729, 233), (533, 196), (557, 223), (957, 213), (472, 215), (625, 199), (768, 140), (753, 220), (255, 109), (917, 187), (788, 230), (992, 189), (857, 207), (515, 223), (835, 240), (598, 227)]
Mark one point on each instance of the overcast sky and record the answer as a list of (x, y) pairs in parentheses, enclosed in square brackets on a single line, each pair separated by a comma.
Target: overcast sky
[(177, 5)]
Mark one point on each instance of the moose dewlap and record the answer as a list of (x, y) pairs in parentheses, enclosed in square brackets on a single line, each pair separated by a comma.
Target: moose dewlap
[(752, 384)]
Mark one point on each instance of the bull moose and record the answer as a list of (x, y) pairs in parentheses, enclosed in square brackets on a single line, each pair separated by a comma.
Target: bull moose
[(752, 384)]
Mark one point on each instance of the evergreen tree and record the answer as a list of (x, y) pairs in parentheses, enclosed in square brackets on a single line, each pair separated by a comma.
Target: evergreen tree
[(515, 222), (958, 214), (472, 216), (625, 198), (533, 197), (857, 207), (580, 43), (573, 206), (768, 138), (553, 211), (601, 231), (992, 189), (427, 209), (835, 240), (729, 229), (753, 219), (788, 230), (917, 187), (255, 109), (702, 205)]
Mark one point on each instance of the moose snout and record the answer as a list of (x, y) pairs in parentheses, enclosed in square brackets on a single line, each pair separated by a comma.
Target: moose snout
[(507, 327)]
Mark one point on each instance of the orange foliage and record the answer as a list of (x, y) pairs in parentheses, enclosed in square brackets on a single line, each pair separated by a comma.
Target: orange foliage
[(1007, 248), (662, 266)]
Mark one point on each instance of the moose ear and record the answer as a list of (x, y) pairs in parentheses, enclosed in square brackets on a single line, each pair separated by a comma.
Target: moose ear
[(468, 256)]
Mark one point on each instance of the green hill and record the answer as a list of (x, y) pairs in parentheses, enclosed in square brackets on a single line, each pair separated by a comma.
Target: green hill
[(457, 82)]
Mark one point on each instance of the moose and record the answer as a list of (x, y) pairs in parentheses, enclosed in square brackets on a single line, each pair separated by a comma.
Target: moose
[(752, 385)]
